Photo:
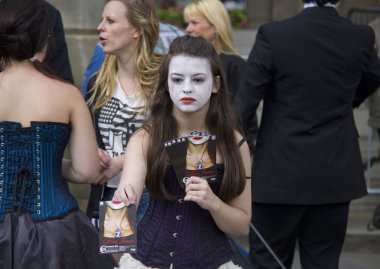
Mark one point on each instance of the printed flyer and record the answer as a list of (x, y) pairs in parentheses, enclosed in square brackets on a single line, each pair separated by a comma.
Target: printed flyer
[(117, 227), (193, 155)]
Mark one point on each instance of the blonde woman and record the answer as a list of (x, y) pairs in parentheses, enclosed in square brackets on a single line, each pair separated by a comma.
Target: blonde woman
[(209, 19), (119, 92)]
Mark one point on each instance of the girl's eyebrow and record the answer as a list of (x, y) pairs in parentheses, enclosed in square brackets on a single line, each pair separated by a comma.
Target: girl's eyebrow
[(180, 74), (175, 74)]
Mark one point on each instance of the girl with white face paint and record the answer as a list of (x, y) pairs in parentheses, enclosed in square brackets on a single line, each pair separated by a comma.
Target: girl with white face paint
[(190, 83), (191, 95)]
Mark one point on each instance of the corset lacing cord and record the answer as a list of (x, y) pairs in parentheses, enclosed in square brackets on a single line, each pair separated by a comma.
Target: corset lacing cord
[(17, 163), (22, 182), (19, 189)]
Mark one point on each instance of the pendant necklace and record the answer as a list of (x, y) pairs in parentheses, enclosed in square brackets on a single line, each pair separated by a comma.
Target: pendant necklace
[(118, 231), (199, 164)]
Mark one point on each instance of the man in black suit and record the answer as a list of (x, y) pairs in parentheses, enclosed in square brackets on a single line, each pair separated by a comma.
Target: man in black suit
[(310, 70)]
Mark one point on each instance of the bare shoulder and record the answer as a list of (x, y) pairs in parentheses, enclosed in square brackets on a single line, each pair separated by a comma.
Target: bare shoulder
[(67, 90), (140, 136), (68, 96), (138, 143)]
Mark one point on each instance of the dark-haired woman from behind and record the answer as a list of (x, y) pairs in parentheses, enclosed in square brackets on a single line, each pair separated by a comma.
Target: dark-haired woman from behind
[(40, 223)]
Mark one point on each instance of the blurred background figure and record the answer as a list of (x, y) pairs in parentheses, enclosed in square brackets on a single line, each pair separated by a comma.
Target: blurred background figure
[(40, 114), (209, 19)]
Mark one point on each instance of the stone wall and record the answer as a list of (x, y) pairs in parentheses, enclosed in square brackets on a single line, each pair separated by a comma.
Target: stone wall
[(80, 19)]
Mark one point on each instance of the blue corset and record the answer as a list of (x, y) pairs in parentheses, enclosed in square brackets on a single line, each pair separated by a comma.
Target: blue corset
[(31, 170)]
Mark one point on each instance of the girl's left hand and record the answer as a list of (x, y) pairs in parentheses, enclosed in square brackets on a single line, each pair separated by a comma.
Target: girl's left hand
[(198, 190)]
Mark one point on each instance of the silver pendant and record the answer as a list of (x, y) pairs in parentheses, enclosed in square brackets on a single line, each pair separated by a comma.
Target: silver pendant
[(118, 232), (199, 165)]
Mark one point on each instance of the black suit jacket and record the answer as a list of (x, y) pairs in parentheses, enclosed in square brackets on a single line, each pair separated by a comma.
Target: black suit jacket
[(59, 59), (310, 70)]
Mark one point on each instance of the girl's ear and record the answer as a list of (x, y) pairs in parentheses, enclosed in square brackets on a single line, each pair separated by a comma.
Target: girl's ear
[(216, 86)]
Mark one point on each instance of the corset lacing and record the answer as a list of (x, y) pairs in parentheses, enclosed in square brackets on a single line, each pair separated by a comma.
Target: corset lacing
[(20, 170)]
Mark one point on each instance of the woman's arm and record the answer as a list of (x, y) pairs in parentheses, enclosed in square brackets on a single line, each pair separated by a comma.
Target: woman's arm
[(134, 169), (83, 166), (233, 217)]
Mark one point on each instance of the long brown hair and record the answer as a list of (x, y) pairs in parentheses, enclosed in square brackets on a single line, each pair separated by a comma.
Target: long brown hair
[(220, 120)]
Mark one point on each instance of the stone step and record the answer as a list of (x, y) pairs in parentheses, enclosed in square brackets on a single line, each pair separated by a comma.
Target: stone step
[(359, 238)]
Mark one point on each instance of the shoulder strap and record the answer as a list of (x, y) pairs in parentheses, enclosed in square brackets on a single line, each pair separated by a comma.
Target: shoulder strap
[(242, 141)]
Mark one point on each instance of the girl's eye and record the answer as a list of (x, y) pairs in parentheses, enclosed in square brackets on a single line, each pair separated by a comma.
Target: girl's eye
[(177, 80), (110, 21), (198, 80)]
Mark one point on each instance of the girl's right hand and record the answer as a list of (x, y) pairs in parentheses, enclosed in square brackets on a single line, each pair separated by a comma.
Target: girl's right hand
[(125, 194)]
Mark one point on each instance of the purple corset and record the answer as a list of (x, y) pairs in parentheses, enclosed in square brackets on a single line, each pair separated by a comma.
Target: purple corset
[(181, 233)]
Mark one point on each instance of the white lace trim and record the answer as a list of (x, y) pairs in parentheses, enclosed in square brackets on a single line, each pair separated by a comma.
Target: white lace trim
[(128, 262), (314, 4)]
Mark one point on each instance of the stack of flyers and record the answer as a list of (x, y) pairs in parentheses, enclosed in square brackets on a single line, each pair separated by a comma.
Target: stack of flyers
[(117, 227)]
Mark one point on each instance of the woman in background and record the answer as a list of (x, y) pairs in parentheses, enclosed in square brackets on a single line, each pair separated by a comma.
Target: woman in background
[(119, 93), (40, 222), (209, 19)]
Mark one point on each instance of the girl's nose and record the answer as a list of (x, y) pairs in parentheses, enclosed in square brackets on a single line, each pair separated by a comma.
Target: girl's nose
[(188, 87)]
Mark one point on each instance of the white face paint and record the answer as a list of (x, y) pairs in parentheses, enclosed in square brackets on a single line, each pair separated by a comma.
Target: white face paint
[(190, 82)]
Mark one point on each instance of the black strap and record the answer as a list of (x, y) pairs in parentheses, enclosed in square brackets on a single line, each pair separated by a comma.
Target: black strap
[(242, 141)]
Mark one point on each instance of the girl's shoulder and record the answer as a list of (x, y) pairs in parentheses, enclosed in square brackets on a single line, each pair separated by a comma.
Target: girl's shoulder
[(140, 136), (139, 142)]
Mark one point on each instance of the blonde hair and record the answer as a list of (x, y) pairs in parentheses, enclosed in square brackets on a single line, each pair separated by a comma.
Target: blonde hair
[(142, 15), (216, 14)]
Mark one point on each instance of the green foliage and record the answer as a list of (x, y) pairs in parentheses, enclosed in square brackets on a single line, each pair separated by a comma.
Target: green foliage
[(172, 16), (238, 18)]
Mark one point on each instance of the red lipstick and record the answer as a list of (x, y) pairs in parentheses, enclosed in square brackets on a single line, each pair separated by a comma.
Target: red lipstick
[(187, 100)]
